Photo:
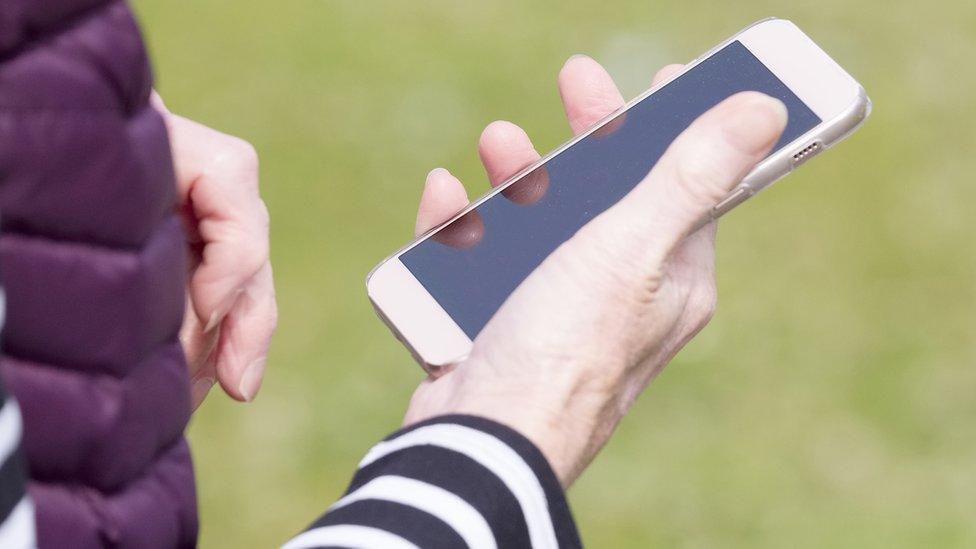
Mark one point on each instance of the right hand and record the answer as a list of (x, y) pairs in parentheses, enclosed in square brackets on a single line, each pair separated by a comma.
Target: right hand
[(231, 307), (571, 349)]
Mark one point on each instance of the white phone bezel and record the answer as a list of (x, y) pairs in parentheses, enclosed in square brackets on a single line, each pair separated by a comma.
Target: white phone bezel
[(436, 341)]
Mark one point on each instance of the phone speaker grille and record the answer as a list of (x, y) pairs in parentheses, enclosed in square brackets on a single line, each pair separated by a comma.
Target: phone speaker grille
[(806, 153)]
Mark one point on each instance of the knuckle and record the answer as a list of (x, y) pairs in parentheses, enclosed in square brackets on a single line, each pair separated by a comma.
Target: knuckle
[(258, 255), (245, 152), (263, 216), (250, 253), (238, 155), (609, 253), (648, 288), (702, 304), (272, 315), (274, 318)]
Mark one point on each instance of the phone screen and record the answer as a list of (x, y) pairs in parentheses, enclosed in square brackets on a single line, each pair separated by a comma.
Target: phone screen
[(472, 265)]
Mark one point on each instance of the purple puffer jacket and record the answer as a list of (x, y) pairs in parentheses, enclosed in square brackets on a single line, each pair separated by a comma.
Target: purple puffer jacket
[(92, 260)]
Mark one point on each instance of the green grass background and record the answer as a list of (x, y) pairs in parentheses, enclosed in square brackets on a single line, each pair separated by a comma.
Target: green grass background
[(832, 401)]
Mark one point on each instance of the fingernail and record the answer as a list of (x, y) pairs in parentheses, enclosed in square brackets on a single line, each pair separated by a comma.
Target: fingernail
[(221, 311), (251, 380), (200, 388), (212, 323), (755, 122)]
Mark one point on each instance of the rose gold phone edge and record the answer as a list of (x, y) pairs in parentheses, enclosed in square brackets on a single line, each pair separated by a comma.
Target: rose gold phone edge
[(432, 336)]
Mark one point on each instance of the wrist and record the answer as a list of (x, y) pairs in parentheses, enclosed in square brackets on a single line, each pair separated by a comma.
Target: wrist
[(567, 422)]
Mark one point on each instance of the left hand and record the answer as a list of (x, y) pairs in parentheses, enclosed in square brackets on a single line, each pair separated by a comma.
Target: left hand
[(231, 308)]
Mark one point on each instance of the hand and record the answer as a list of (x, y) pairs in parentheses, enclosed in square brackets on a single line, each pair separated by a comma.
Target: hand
[(576, 343), (231, 308)]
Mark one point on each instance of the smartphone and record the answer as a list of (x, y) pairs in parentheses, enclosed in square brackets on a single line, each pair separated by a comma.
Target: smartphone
[(439, 291)]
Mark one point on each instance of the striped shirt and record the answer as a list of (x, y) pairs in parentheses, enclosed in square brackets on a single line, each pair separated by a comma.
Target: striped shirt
[(16, 511), (453, 481)]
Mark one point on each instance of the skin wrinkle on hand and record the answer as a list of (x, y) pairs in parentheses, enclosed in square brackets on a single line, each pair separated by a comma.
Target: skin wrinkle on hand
[(620, 343), (231, 309)]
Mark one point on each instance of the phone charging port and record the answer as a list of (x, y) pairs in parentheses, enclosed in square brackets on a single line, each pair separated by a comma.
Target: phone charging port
[(806, 153)]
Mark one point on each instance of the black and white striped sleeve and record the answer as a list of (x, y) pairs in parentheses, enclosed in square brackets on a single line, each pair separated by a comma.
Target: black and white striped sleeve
[(16, 510), (452, 481)]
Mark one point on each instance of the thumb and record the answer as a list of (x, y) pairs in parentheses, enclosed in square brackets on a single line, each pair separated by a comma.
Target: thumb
[(698, 170)]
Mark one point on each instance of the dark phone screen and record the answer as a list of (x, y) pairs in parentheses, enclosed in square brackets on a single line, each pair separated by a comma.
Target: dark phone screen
[(471, 266)]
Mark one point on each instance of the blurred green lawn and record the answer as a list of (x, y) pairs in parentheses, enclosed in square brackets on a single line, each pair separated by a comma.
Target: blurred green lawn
[(832, 401)]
